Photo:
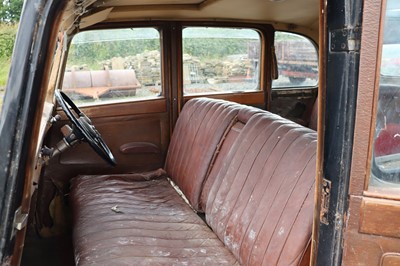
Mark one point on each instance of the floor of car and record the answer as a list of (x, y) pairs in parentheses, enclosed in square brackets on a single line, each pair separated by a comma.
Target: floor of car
[(47, 251)]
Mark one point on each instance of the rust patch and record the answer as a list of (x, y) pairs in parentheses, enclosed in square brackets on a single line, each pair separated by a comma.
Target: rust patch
[(325, 198)]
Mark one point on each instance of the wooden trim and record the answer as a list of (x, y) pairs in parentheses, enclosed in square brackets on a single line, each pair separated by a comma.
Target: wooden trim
[(376, 93), (320, 130), (166, 71), (383, 193), (364, 125), (249, 98), (33, 165), (390, 259), (380, 217), (151, 106), (266, 66), (175, 46), (363, 248)]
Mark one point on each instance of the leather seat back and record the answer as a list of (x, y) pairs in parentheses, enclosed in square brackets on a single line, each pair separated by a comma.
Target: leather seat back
[(260, 200), (197, 134)]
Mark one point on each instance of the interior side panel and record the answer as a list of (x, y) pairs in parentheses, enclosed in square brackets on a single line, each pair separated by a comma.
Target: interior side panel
[(138, 141), (294, 104)]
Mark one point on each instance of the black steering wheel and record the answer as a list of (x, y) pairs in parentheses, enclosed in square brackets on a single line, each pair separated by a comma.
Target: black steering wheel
[(84, 128)]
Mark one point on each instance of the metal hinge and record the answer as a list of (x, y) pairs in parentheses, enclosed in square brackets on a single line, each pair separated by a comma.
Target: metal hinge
[(20, 221), (345, 40), (325, 198)]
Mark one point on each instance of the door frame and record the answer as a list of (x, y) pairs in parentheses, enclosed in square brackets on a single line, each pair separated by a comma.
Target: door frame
[(22, 101), (340, 37)]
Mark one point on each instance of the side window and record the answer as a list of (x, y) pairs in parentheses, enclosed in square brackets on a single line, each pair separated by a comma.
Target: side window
[(297, 61), (218, 60), (113, 65), (385, 165)]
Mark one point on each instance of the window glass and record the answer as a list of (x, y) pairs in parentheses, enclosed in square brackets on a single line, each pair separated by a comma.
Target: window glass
[(385, 169), (297, 61), (113, 65), (217, 60)]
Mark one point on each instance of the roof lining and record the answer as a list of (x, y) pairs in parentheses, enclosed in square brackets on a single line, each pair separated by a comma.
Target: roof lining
[(211, 10), (156, 7), (94, 18), (195, 6)]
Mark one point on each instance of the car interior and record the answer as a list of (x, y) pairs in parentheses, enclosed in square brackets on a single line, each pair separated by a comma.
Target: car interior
[(176, 132), (182, 132)]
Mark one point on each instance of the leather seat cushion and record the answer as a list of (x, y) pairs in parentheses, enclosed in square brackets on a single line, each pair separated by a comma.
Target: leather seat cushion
[(118, 221)]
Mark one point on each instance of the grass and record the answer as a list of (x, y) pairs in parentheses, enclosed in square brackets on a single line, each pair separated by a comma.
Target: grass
[(4, 68), (7, 37)]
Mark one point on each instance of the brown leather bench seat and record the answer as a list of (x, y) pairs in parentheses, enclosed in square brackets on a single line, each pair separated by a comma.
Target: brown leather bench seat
[(251, 173), (152, 225)]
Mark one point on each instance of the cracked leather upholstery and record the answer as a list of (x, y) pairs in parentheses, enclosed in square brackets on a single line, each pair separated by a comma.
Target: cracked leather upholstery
[(260, 202), (150, 224), (253, 176), (197, 134)]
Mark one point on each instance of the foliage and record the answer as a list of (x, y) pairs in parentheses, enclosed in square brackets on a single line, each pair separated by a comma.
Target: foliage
[(93, 53), (215, 48), (7, 38), (10, 10), (281, 36), (4, 68)]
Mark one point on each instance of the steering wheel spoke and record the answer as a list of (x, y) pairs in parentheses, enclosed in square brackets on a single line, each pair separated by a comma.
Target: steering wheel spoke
[(83, 127)]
